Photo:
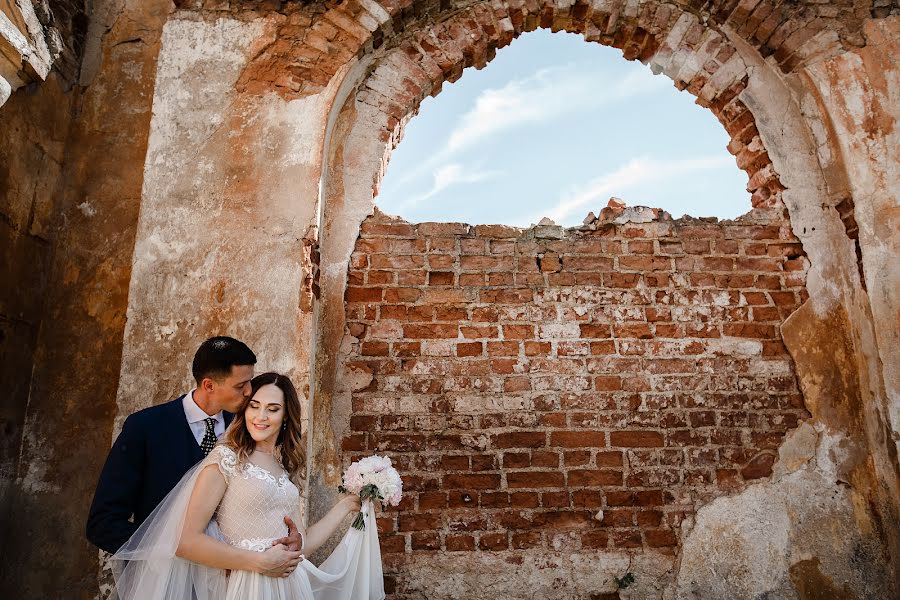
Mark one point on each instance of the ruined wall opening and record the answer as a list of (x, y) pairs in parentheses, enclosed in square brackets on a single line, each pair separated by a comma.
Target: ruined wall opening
[(553, 128)]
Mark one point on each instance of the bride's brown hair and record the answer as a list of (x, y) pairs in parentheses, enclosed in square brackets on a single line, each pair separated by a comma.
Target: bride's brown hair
[(289, 446)]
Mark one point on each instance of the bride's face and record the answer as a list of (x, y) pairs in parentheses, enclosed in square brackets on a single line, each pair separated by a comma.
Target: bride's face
[(265, 414)]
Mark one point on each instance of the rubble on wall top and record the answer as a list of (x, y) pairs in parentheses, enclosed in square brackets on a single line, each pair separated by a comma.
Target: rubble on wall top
[(618, 213)]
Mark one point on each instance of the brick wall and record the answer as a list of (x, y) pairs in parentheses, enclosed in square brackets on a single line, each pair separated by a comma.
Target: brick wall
[(523, 380)]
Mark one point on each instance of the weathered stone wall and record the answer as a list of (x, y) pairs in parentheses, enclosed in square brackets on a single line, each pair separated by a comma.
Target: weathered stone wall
[(524, 380), (35, 125), (71, 164), (31, 156)]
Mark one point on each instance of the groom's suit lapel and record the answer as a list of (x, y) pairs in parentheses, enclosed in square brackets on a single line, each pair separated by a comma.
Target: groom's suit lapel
[(185, 448)]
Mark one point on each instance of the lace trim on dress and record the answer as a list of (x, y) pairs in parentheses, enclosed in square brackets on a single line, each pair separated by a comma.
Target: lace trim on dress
[(251, 470), (227, 460), (256, 544)]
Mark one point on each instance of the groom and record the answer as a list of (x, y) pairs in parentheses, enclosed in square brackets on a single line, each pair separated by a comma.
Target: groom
[(158, 445)]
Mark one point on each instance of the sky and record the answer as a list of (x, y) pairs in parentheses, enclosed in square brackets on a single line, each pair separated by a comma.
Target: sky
[(554, 127)]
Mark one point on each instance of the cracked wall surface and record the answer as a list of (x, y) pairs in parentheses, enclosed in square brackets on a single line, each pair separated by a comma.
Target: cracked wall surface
[(182, 165)]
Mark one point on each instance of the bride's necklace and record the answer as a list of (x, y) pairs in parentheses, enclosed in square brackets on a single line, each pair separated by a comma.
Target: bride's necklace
[(272, 453)]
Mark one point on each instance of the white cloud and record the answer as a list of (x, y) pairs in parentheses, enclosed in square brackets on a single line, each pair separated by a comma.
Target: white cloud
[(637, 171), (548, 94), (453, 174)]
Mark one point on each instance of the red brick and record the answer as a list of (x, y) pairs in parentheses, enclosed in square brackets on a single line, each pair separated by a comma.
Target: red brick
[(535, 479), (649, 498), (585, 478), (354, 442), (419, 522), (519, 439), (760, 466), (640, 331), (527, 539), (588, 263), (595, 330), (544, 459), (480, 331), (630, 538), (537, 348), (645, 263), (648, 518), (441, 313), (636, 439), (517, 384), (425, 541), (432, 500), (555, 499), (469, 349), (563, 519), (479, 481), (493, 541), (578, 439), (430, 331), (660, 538), (618, 518), (507, 296), (621, 280), (385, 525), (524, 499), (392, 543), (362, 422), (494, 499), (595, 540), (607, 383), (516, 460), (484, 462), (459, 543), (577, 458), (374, 349), (503, 348), (606, 347), (518, 332), (471, 279)]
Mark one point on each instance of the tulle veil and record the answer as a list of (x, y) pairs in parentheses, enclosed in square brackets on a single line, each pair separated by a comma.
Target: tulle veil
[(146, 567)]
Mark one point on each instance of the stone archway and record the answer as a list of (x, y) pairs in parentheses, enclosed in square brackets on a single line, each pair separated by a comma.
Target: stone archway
[(730, 77)]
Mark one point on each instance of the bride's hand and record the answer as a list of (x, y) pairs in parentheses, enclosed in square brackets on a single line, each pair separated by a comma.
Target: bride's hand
[(277, 561), (351, 503)]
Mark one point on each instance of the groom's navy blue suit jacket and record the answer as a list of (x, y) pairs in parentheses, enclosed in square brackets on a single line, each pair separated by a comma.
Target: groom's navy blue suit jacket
[(152, 453)]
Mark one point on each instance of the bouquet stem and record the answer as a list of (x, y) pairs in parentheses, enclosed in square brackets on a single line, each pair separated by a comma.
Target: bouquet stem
[(360, 521)]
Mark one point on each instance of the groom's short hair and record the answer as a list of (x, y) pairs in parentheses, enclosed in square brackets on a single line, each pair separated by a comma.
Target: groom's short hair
[(215, 357)]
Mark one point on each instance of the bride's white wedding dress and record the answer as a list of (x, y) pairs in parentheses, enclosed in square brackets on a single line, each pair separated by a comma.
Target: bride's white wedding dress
[(250, 516)]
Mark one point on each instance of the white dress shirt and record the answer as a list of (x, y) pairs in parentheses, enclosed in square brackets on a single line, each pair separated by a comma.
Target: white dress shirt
[(196, 418)]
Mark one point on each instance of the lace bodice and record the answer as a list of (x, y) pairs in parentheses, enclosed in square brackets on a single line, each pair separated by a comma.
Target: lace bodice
[(255, 503)]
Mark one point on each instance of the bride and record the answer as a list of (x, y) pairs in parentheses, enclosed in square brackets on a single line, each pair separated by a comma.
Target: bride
[(212, 536)]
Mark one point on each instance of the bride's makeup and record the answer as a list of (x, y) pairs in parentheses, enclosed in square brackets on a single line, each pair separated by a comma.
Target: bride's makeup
[(264, 415)]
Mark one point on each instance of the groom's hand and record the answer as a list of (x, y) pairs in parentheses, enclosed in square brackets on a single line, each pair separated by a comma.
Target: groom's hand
[(293, 541)]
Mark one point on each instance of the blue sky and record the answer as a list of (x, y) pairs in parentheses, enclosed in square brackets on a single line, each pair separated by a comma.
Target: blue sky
[(555, 126)]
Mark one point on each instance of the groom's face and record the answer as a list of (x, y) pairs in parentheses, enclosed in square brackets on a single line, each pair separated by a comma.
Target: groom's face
[(230, 392)]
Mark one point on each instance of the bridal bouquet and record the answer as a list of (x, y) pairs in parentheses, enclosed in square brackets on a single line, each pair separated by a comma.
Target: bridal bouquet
[(373, 478)]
